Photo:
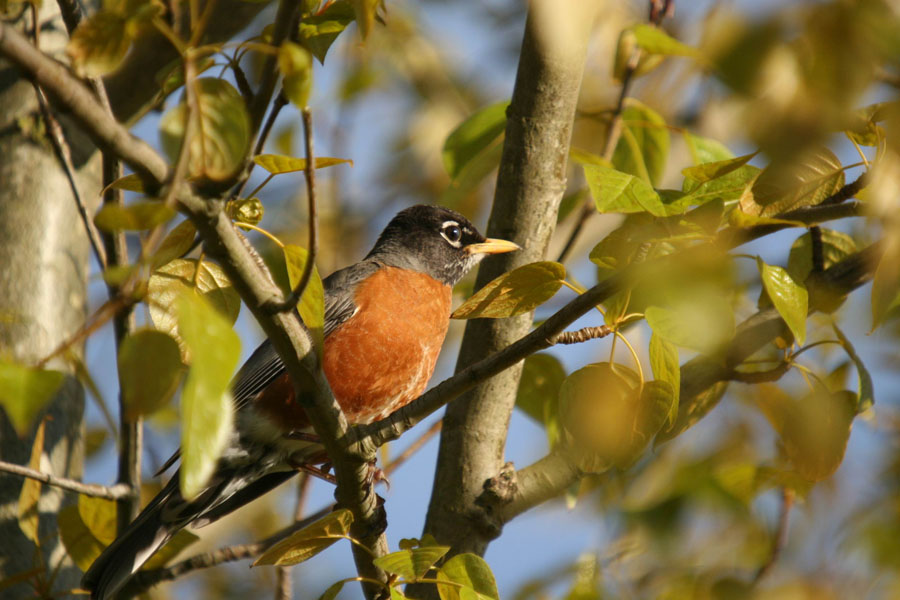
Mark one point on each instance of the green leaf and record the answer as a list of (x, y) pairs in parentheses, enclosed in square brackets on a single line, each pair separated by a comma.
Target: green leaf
[(333, 590), (886, 283), (312, 303), (473, 173), (583, 157), (133, 217), (783, 187), (99, 516), (615, 191), (709, 171), (691, 410), (865, 395), (665, 365), (836, 246), (276, 164), (245, 210), (318, 31), (725, 188), (24, 391), (654, 40), (175, 245), (309, 541), (643, 147), (295, 64), (473, 136), (365, 15), (413, 563), (539, 384), (396, 594), (130, 183), (171, 280), (608, 418), (206, 405), (99, 43), (30, 496), (221, 140), (173, 548), (150, 370), (81, 545), (702, 323), (789, 297), (519, 291), (706, 150), (814, 431), (471, 572)]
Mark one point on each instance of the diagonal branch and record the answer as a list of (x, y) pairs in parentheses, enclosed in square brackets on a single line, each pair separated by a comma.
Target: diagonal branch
[(110, 492)]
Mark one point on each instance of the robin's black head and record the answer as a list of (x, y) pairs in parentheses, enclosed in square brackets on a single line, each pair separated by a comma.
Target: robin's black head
[(434, 240)]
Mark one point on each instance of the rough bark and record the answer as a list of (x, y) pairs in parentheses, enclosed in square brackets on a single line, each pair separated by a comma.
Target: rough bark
[(530, 184), (44, 253)]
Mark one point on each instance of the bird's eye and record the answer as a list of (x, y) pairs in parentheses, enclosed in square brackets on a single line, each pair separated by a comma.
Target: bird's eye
[(452, 232)]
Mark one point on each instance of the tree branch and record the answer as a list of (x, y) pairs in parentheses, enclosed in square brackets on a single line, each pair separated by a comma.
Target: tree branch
[(112, 492)]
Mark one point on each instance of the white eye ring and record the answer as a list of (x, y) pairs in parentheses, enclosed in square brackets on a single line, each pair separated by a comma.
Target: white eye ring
[(451, 231)]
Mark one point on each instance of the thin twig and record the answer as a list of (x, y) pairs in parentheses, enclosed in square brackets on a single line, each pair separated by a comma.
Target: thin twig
[(110, 492), (283, 582), (582, 335), (781, 535), (279, 103), (414, 447), (57, 138), (291, 301)]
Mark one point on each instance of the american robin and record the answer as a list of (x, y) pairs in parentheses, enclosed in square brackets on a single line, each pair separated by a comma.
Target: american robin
[(385, 322)]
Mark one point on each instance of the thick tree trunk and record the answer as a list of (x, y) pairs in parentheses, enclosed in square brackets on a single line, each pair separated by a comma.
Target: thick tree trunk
[(530, 184), (44, 258)]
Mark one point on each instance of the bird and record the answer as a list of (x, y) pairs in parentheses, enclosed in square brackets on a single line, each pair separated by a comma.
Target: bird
[(385, 322)]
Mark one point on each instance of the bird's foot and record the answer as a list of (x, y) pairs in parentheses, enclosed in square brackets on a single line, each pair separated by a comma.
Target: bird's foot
[(319, 472), (376, 475)]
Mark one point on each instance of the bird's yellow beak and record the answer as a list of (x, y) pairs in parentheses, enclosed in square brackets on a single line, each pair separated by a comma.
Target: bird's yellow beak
[(492, 246)]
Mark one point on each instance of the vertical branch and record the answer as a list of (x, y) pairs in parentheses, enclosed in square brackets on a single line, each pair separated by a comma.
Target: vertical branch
[(530, 185)]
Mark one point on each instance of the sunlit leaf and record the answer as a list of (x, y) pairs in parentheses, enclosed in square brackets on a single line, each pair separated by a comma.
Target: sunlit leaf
[(665, 365), (626, 50), (222, 137), (24, 391), (473, 136), (700, 323), (245, 210), (99, 43), (206, 405), (365, 15), (309, 541), (333, 590), (865, 394), (706, 150), (618, 192), (312, 302), (318, 31), (473, 173), (656, 41), (150, 370), (643, 147), (542, 374), (412, 563), (295, 65), (790, 298), (30, 495), (783, 187), (608, 418), (724, 188), (133, 217), (277, 164), (175, 245), (99, 516), (519, 291), (170, 550), (177, 276), (708, 171), (473, 573)]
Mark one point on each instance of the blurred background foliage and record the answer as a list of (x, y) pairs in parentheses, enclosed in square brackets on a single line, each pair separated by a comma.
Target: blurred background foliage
[(726, 502)]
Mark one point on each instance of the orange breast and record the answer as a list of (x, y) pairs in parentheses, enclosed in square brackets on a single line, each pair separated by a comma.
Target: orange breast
[(382, 358)]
